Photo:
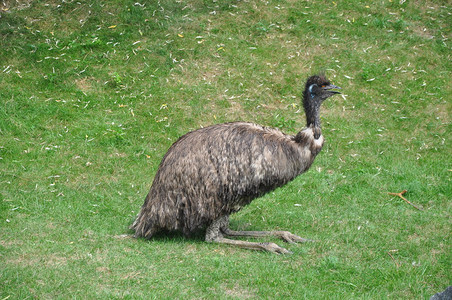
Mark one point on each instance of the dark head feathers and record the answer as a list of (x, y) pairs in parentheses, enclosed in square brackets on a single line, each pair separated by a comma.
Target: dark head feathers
[(318, 86), (319, 80)]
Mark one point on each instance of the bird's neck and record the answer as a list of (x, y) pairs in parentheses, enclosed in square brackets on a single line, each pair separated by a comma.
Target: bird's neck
[(312, 112)]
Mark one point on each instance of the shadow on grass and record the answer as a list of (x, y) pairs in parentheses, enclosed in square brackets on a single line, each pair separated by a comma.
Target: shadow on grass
[(173, 236)]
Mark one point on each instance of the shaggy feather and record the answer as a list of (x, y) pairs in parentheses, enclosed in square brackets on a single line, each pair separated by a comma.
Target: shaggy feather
[(215, 171)]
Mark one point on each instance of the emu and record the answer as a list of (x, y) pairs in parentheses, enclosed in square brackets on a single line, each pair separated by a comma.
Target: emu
[(212, 172)]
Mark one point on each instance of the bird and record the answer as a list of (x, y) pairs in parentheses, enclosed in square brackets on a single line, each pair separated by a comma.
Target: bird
[(212, 172)]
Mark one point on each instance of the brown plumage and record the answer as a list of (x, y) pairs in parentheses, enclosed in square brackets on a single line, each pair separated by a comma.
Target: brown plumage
[(213, 172)]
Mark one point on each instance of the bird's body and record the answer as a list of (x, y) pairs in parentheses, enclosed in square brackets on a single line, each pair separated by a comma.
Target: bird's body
[(213, 172), (240, 161)]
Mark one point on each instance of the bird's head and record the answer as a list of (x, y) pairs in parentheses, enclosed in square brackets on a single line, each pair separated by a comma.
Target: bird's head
[(317, 89)]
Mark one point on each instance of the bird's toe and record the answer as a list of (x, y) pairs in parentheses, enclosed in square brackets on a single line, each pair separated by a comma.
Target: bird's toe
[(272, 247), (292, 238)]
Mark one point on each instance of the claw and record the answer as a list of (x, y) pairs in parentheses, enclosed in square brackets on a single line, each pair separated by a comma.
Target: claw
[(292, 238), (272, 247)]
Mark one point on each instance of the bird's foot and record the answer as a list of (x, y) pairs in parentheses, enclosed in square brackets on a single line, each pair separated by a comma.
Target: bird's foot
[(272, 247), (290, 237)]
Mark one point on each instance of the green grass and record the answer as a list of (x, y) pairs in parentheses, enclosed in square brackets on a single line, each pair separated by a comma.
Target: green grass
[(92, 94)]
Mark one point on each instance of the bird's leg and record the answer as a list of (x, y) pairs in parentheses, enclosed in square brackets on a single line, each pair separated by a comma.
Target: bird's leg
[(284, 235), (214, 234), (270, 247)]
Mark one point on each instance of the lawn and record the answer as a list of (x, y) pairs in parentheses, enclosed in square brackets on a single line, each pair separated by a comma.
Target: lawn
[(92, 94)]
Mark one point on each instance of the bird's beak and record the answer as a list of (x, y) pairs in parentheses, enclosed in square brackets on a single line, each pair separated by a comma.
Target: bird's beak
[(332, 86)]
